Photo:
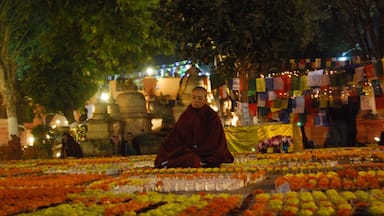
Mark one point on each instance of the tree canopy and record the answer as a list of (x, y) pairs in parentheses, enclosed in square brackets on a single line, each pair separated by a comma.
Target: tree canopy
[(240, 36), (365, 23), (254, 36), (16, 18), (57, 51), (81, 43)]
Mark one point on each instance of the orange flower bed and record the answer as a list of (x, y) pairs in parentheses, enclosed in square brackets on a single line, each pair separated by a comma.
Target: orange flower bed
[(29, 187), (19, 171), (215, 206), (29, 199), (344, 179), (28, 193), (121, 208)]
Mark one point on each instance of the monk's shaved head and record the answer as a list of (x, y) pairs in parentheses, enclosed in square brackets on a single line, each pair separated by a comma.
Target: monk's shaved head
[(199, 97)]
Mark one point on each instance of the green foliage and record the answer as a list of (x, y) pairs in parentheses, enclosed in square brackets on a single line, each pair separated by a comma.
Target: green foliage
[(64, 50), (262, 33), (80, 44), (15, 18), (253, 31), (361, 21), (45, 139)]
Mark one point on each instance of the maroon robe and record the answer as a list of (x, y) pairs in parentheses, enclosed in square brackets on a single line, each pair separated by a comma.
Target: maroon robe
[(197, 136)]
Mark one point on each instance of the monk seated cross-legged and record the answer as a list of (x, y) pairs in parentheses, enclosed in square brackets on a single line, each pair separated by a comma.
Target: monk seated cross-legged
[(197, 139)]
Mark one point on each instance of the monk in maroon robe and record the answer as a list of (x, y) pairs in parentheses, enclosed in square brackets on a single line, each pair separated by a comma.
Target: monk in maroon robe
[(197, 139)]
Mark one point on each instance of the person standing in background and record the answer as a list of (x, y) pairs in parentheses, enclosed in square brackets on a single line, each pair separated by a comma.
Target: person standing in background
[(70, 148)]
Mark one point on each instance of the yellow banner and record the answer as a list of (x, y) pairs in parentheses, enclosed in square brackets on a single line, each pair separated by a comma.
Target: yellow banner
[(246, 138)]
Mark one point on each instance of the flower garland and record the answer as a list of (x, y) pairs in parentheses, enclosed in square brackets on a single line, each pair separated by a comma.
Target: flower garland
[(276, 144)]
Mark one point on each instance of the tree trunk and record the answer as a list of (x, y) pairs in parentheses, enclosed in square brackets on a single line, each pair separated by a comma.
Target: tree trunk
[(244, 85), (13, 32), (7, 89), (13, 125), (68, 113), (8, 80), (380, 7), (243, 69)]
